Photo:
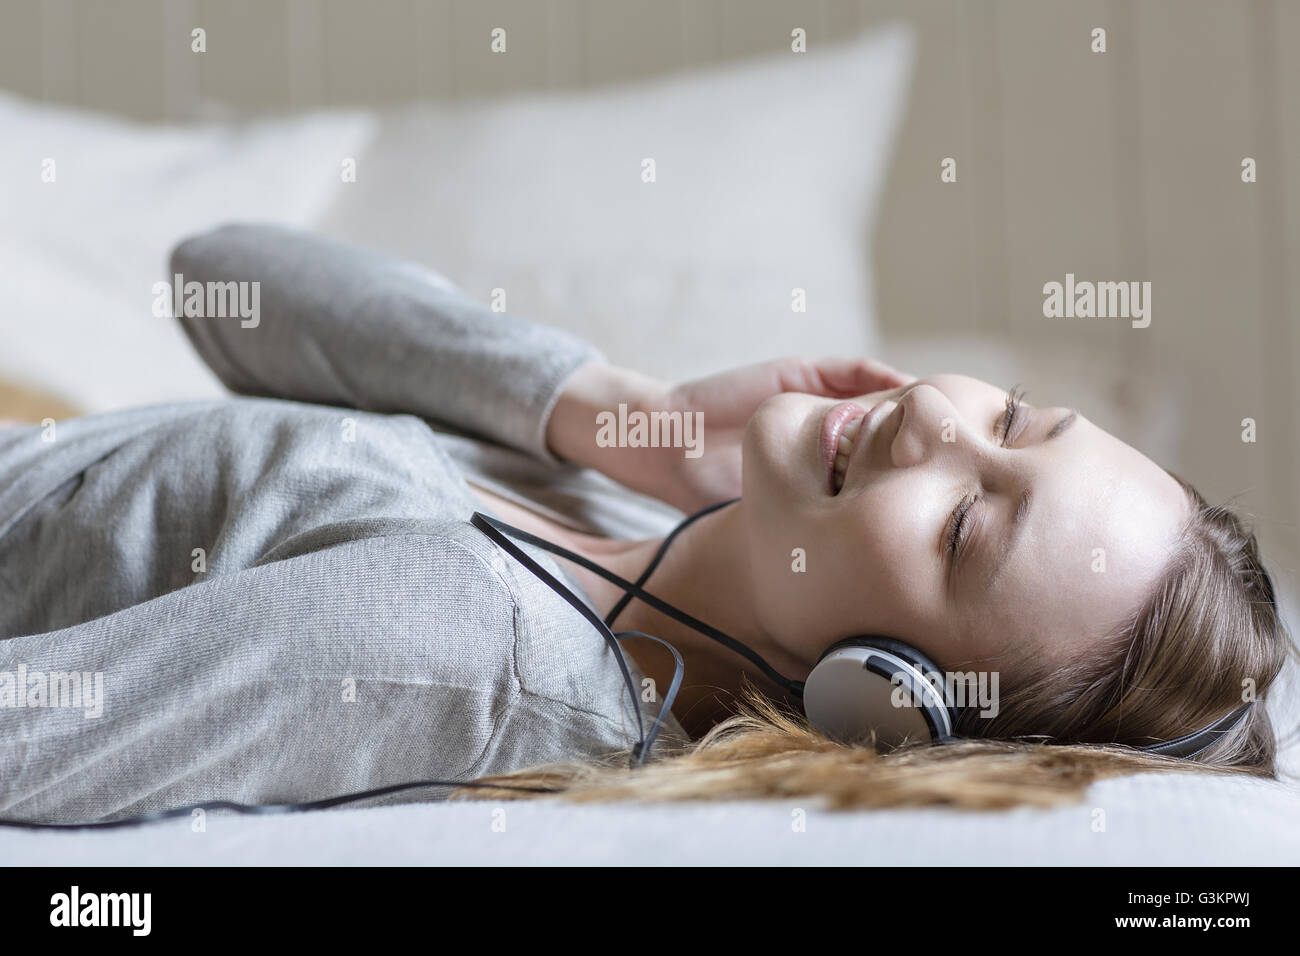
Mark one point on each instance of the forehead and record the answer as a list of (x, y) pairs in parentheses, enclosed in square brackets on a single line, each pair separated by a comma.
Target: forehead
[(1104, 523)]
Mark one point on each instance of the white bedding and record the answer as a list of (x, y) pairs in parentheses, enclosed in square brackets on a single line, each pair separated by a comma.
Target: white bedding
[(1150, 820)]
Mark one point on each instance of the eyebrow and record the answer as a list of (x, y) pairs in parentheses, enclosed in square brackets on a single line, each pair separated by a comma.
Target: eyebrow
[(1062, 425), (1012, 537)]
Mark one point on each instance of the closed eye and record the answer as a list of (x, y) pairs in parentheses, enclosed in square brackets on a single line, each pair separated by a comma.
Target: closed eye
[(958, 524), (1012, 412)]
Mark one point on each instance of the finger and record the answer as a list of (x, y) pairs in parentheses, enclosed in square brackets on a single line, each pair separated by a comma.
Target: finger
[(841, 376)]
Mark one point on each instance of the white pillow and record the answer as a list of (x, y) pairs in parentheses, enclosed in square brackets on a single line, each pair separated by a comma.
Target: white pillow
[(767, 175), (81, 253)]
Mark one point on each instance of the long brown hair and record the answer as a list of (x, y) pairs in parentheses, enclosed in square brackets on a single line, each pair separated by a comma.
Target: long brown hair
[(1207, 638)]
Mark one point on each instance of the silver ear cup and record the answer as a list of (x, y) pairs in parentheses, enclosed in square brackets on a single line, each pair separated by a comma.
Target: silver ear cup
[(856, 690)]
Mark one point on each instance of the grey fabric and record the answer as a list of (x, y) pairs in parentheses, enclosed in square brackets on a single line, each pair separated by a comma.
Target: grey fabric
[(348, 628)]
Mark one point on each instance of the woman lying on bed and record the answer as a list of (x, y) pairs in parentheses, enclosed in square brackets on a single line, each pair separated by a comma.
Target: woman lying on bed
[(287, 600)]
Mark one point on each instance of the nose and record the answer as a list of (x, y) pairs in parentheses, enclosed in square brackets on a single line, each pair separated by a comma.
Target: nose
[(930, 426)]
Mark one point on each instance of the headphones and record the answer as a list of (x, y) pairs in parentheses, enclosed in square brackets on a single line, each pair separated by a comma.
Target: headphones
[(862, 688), (877, 688)]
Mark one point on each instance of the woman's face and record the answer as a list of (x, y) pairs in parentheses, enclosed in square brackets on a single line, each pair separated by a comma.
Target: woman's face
[(960, 528)]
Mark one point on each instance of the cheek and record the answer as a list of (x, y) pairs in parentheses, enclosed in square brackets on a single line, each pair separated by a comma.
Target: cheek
[(897, 570), (828, 576), (898, 513), (824, 568)]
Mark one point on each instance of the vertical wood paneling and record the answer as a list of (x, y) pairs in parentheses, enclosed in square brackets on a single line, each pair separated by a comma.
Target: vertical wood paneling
[(1060, 191), (701, 22), (60, 51), (752, 27), (631, 39), (243, 65), (1124, 81), (371, 51), (119, 57), (1203, 236), (435, 67), (1275, 34), (1130, 210), (564, 50), (20, 48), (840, 17), (987, 230), (305, 53), (923, 256), (181, 65), (525, 63)]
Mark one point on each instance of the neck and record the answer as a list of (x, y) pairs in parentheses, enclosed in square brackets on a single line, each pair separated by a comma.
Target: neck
[(704, 573)]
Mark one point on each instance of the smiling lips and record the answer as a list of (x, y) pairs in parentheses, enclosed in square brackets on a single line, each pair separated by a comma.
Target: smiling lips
[(839, 428)]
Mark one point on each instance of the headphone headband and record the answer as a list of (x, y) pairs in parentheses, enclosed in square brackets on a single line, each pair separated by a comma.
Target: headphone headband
[(1189, 745), (838, 699)]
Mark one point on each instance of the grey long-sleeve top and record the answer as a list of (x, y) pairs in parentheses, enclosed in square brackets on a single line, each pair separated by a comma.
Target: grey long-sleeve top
[(283, 594)]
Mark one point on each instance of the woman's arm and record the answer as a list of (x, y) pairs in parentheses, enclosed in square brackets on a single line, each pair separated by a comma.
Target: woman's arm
[(336, 324)]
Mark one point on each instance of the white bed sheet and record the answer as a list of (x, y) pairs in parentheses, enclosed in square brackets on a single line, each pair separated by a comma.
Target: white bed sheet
[(1149, 820)]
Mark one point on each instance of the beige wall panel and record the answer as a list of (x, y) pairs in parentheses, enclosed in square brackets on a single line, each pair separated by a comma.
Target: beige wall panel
[(246, 62), (986, 227), (1059, 155), (304, 54), (371, 50), (525, 63), (60, 51), (20, 48), (564, 44), (1277, 37), (631, 39), (120, 57), (701, 22), (925, 280), (1207, 331), (751, 27)]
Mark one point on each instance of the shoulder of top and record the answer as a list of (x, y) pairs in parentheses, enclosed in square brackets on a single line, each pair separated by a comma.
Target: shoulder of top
[(449, 542), (480, 549)]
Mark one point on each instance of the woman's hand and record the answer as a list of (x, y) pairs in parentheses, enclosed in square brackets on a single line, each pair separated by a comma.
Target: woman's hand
[(705, 467)]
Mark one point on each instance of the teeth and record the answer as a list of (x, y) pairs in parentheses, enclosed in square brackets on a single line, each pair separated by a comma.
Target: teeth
[(845, 443), (842, 450)]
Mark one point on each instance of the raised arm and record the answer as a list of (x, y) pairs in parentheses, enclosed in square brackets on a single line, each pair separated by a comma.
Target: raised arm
[(336, 324)]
